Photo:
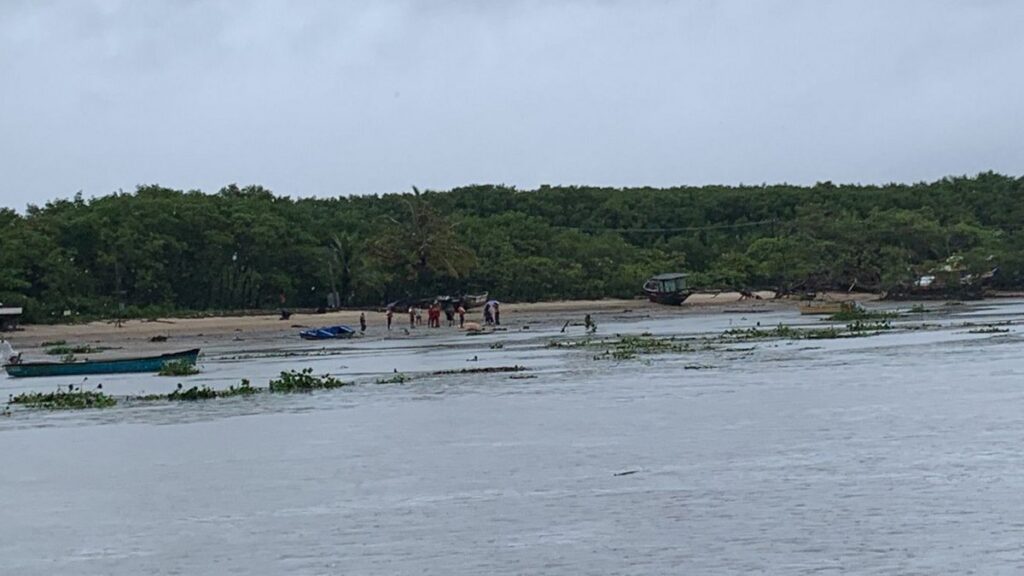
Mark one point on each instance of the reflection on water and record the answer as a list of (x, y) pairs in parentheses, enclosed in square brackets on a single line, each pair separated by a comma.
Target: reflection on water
[(898, 453)]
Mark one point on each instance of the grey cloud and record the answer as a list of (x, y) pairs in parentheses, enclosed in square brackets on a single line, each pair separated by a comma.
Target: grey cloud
[(326, 98)]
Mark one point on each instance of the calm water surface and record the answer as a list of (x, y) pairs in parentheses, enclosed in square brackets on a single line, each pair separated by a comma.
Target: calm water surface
[(900, 453)]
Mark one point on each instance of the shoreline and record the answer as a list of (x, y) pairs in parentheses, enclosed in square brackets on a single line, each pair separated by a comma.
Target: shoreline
[(221, 333)]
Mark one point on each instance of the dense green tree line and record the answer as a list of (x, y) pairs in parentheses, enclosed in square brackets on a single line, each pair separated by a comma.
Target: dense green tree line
[(157, 250)]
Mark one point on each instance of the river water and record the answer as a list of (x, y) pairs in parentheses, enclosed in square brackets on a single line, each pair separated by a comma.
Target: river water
[(901, 453)]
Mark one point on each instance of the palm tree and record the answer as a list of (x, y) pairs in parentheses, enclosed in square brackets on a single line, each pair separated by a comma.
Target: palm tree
[(423, 245)]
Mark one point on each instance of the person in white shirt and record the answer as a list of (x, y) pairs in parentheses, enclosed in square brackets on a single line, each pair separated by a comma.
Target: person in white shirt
[(7, 353)]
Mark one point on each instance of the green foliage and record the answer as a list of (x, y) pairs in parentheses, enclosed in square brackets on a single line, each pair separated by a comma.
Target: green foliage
[(243, 389), (178, 368), (989, 330), (397, 378), (868, 326), (61, 400), (858, 314), (487, 370), (193, 393), (156, 251), (204, 393), (304, 381), (783, 332), (629, 347)]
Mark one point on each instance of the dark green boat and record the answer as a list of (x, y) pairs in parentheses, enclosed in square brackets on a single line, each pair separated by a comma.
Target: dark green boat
[(116, 366)]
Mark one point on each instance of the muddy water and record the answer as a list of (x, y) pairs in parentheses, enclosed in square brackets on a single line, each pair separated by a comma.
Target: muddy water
[(898, 453)]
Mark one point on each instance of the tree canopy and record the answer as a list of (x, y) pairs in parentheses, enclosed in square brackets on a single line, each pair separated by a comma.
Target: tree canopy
[(157, 250)]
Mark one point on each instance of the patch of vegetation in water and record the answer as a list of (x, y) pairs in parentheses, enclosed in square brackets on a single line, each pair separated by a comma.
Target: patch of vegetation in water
[(868, 326), (397, 378), (988, 330), (783, 332), (193, 393), (304, 381), (860, 314), (571, 343), (487, 370), (629, 347), (178, 368), (243, 389), (201, 393), (61, 400)]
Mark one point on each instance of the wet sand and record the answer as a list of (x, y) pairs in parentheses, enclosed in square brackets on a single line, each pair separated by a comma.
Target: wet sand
[(134, 337)]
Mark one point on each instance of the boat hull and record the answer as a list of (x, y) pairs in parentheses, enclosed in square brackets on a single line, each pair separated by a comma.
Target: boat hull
[(118, 366), (327, 333), (669, 298)]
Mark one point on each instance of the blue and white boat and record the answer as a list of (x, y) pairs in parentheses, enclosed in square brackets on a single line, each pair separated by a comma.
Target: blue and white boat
[(327, 333)]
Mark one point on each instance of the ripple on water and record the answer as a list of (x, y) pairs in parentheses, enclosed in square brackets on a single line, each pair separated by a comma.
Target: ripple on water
[(892, 454)]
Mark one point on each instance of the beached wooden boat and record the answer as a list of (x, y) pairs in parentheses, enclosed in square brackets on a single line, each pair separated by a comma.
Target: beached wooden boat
[(666, 289), (468, 301), (474, 300), (113, 366)]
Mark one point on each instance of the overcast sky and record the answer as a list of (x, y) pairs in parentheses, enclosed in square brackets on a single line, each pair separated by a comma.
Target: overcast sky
[(333, 97)]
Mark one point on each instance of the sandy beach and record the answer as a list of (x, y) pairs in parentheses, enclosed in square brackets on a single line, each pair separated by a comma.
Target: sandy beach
[(241, 332)]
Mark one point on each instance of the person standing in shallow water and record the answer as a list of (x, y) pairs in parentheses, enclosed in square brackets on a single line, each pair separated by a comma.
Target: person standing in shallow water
[(497, 315), (362, 321)]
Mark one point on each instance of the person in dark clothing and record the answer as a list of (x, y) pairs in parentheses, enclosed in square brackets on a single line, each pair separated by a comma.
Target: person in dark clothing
[(285, 314), (497, 314), (362, 321)]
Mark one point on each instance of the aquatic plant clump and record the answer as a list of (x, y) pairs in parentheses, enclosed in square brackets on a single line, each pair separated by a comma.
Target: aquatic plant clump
[(304, 381), (60, 400), (243, 389), (488, 370), (783, 332), (397, 378), (178, 368), (572, 343), (989, 330), (202, 393), (629, 347), (852, 314), (193, 393), (864, 326)]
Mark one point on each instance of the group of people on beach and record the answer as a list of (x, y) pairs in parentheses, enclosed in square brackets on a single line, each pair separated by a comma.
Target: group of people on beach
[(492, 315)]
